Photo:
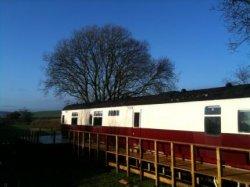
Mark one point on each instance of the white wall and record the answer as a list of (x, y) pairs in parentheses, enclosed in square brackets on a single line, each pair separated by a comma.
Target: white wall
[(188, 116)]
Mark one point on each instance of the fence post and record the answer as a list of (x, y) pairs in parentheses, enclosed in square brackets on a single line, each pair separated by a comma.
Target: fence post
[(106, 151), (89, 145), (192, 165), (83, 142), (218, 161), (116, 153), (172, 164), (156, 163), (127, 157), (140, 159), (97, 146)]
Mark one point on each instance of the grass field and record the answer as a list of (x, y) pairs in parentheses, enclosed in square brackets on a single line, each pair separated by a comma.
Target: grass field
[(47, 114)]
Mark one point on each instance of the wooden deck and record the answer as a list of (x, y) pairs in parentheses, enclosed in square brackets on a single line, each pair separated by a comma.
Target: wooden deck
[(156, 160)]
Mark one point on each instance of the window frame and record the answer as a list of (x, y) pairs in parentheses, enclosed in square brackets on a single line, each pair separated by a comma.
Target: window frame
[(113, 113), (74, 114), (212, 114), (238, 118), (218, 126)]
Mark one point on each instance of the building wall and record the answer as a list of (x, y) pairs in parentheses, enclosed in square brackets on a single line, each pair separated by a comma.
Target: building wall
[(186, 116)]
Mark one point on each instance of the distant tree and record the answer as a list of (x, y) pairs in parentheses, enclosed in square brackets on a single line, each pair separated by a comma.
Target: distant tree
[(106, 63), (25, 115), (242, 75), (13, 115), (236, 14)]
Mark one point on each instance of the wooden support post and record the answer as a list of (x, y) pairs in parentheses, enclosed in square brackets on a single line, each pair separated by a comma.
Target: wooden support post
[(192, 165), (73, 140), (83, 143), (218, 161), (140, 159), (116, 153), (172, 164), (78, 144), (156, 162), (89, 145), (127, 157), (106, 151), (97, 146)]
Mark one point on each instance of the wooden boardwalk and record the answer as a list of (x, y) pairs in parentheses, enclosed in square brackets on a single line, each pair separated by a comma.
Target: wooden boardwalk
[(156, 165)]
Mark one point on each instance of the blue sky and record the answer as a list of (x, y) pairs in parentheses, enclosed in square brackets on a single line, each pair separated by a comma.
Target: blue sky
[(188, 32)]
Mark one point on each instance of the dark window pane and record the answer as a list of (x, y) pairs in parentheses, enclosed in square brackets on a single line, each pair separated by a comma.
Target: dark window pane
[(213, 125), (97, 113), (97, 121), (212, 110), (113, 113), (244, 121), (136, 119), (90, 119), (73, 121)]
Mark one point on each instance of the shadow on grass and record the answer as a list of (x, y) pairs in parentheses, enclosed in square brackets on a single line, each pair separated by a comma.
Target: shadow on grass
[(54, 165)]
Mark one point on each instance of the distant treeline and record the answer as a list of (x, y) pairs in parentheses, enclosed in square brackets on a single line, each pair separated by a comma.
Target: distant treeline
[(28, 117)]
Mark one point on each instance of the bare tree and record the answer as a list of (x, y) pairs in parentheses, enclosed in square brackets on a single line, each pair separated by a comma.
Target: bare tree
[(106, 63), (242, 75), (236, 14)]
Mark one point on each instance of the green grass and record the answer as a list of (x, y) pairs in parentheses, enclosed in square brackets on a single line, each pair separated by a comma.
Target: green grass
[(47, 114), (111, 178)]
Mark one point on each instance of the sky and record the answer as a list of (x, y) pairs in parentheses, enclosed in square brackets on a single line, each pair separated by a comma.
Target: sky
[(188, 32)]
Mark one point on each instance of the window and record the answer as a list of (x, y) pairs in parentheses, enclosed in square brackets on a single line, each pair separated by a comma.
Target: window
[(114, 113), (212, 120), (213, 125), (136, 119), (73, 121), (97, 113), (63, 119), (210, 110), (244, 120), (75, 114), (97, 121)]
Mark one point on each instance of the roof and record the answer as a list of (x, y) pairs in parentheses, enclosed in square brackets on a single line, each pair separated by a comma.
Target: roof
[(227, 92)]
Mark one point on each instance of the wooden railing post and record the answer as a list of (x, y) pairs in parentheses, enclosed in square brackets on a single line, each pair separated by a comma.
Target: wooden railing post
[(78, 144), (218, 161), (89, 145), (83, 143), (156, 162), (127, 156), (97, 146), (106, 150), (116, 153), (192, 165), (140, 159), (172, 164)]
